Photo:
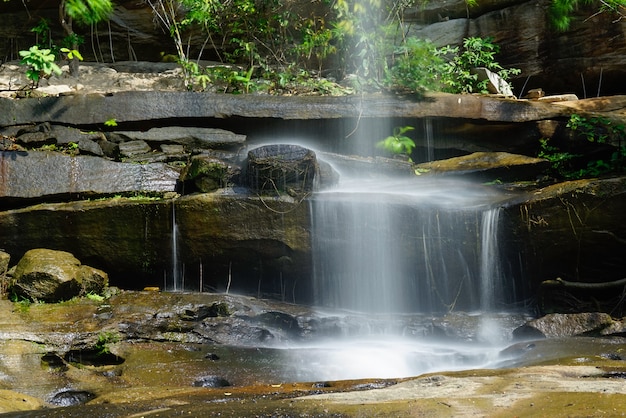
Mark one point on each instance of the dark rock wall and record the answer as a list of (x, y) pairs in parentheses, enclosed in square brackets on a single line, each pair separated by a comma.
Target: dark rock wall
[(263, 246)]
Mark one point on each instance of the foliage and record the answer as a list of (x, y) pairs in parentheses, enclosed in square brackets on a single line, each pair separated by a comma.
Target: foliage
[(416, 67), (111, 122), (104, 340), (88, 12), (42, 30), (561, 162), (456, 73), (398, 143), (40, 62), (597, 130), (561, 11)]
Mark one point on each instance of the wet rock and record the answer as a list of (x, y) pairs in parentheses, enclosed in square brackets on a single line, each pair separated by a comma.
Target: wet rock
[(573, 230), (495, 83), (565, 325), (238, 331), (209, 173), (155, 105), (96, 357), (71, 397), (52, 276), (200, 312), (134, 148), (280, 321), (36, 174), (54, 362), (11, 401), (488, 165), (86, 141), (281, 168), (190, 137), (211, 382)]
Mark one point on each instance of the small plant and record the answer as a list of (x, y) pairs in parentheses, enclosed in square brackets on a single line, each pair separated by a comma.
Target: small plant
[(104, 340), (41, 63), (111, 122), (596, 129), (398, 143), (560, 162), (240, 79)]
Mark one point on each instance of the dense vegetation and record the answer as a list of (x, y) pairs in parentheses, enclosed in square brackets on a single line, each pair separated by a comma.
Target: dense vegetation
[(278, 46)]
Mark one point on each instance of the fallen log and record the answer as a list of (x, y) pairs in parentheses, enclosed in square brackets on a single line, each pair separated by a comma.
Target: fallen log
[(582, 285)]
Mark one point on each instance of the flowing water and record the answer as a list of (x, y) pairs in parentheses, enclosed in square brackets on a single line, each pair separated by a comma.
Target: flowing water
[(393, 249), (406, 246)]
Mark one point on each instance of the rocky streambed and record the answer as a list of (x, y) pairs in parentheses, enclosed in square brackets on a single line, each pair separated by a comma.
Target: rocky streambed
[(198, 354)]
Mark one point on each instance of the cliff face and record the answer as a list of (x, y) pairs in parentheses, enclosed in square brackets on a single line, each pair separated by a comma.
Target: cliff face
[(588, 59)]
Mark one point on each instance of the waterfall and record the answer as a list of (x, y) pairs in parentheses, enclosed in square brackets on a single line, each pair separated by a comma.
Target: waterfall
[(430, 142), (177, 273), (490, 271), (406, 247)]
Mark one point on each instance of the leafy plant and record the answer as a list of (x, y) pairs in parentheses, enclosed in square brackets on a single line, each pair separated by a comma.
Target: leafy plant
[(560, 162), (561, 11), (596, 129), (111, 122), (104, 340), (95, 297), (42, 31), (398, 143), (40, 62), (416, 67), (599, 130), (457, 75)]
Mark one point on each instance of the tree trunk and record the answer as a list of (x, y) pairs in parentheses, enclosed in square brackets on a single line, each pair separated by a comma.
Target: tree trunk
[(66, 23)]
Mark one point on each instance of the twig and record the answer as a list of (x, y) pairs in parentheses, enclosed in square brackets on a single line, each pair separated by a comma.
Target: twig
[(230, 276)]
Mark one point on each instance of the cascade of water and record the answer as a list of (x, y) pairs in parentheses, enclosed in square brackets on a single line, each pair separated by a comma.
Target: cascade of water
[(430, 142), (490, 271), (176, 284), (408, 250)]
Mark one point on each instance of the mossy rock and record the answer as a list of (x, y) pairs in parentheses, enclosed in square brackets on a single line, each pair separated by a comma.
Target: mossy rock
[(53, 276)]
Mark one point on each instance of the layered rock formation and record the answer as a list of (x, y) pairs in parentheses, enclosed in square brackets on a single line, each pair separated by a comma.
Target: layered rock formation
[(167, 144)]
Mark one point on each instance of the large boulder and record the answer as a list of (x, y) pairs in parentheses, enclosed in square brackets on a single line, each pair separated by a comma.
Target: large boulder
[(52, 276), (565, 325), (282, 168)]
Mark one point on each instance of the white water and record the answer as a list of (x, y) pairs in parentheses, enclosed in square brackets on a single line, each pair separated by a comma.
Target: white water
[(404, 246), (388, 357), (490, 272), (176, 274)]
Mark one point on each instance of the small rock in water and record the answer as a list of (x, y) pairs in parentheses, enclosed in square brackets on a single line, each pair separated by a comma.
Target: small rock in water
[(71, 397), (212, 356), (211, 382)]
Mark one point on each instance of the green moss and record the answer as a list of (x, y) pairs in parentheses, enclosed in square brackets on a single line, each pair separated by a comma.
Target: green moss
[(566, 404)]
